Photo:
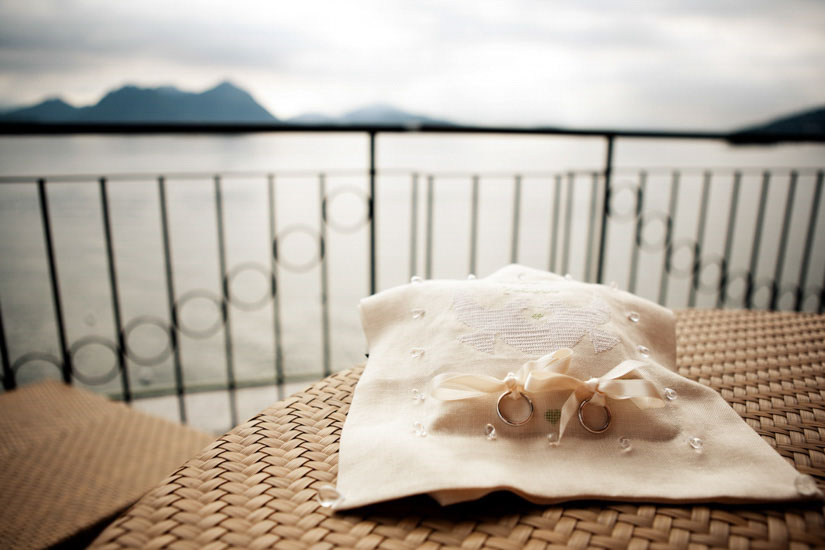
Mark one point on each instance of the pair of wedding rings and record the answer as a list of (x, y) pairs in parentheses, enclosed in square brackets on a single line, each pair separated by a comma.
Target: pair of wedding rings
[(520, 422)]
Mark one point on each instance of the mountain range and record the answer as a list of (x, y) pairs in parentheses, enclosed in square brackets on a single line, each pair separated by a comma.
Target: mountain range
[(225, 103), (806, 123)]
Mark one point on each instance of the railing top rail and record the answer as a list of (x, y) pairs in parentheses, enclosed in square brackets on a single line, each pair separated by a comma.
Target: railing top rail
[(231, 175), (34, 128)]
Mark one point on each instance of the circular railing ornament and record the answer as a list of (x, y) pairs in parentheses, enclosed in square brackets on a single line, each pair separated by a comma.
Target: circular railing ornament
[(701, 268), (742, 277), (200, 294), (144, 360), (292, 230), (248, 305), (762, 288), (94, 380), (644, 221), (36, 356), (329, 199), (790, 290), (616, 191), (673, 250)]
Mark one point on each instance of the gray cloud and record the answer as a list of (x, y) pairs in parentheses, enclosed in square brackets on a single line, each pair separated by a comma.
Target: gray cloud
[(74, 36), (668, 62)]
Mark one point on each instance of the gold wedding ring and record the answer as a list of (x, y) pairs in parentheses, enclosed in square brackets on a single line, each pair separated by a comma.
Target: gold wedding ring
[(600, 429), (514, 422)]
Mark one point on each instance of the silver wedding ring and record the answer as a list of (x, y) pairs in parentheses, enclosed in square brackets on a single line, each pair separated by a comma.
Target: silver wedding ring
[(600, 429), (515, 422)]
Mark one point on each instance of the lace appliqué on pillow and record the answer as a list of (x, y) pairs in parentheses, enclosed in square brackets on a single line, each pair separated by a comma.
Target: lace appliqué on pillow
[(556, 326)]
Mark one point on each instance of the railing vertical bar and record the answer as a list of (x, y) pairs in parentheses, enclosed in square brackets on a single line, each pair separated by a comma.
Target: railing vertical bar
[(783, 240), (414, 225), (608, 175), (809, 242), (428, 263), (113, 288), (322, 193), (53, 280), (516, 216), (634, 247), (373, 212), (276, 305), (554, 233), (757, 238), (224, 281), (821, 307), (591, 229), (674, 197), (474, 227), (722, 295), (170, 296), (568, 224), (9, 383), (700, 238)]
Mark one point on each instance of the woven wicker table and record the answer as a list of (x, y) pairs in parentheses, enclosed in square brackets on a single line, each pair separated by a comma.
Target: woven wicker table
[(256, 486)]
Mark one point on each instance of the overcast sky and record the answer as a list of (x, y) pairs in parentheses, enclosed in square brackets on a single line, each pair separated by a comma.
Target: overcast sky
[(667, 64)]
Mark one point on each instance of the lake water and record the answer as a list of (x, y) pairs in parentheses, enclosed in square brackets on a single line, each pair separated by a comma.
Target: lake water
[(296, 160)]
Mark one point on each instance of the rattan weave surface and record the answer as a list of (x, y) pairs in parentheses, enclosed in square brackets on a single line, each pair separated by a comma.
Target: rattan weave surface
[(70, 459), (255, 487)]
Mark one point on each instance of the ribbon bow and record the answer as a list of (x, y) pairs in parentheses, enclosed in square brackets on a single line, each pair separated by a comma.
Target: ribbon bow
[(549, 373)]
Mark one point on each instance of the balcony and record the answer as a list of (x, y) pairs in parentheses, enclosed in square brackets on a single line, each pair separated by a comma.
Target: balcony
[(204, 295)]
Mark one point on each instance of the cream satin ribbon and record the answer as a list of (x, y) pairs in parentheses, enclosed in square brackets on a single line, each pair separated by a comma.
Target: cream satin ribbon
[(548, 373)]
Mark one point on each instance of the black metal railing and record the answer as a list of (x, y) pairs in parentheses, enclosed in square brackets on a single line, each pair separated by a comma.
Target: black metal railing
[(686, 238)]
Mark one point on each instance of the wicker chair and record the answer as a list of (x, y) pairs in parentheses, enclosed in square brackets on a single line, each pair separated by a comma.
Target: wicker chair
[(71, 461)]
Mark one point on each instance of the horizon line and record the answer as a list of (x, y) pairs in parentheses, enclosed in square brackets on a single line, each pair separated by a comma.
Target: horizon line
[(737, 137)]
